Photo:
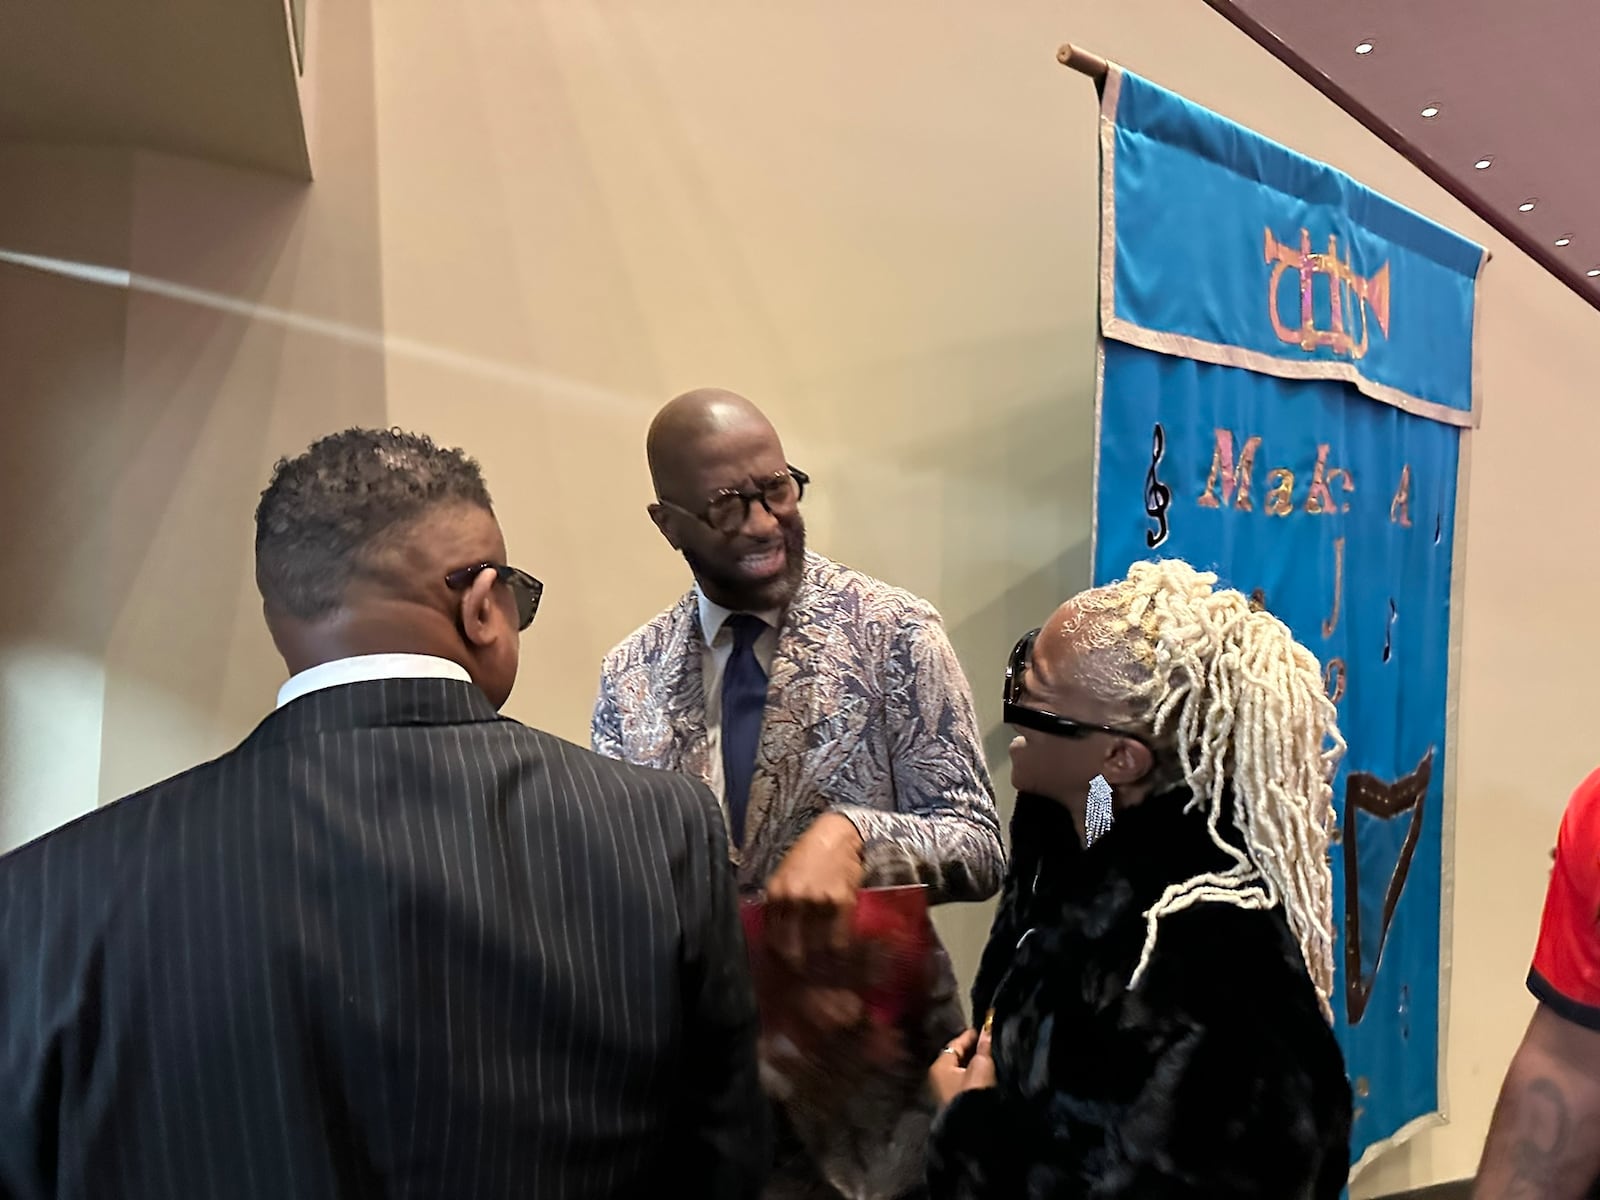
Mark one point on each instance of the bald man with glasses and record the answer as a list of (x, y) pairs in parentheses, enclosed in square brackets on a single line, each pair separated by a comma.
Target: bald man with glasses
[(828, 713)]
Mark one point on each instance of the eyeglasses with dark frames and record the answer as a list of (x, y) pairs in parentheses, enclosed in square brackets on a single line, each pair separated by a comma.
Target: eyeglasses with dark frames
[(1020, 715), (729, 508), (525, 589)]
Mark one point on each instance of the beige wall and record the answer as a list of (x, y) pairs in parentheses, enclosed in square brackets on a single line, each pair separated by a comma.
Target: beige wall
[(534, 222), (61, 349)]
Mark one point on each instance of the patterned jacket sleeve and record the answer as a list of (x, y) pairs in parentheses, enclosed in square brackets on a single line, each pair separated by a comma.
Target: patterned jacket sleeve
[(605, 726), (944, 817)]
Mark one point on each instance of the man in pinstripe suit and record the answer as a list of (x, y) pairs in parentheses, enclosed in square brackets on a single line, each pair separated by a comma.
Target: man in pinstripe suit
[(393, 945)]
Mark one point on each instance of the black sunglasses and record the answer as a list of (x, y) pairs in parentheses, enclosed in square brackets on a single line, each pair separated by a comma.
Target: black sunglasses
[(525, 589), (1037, 718), (729, 508)]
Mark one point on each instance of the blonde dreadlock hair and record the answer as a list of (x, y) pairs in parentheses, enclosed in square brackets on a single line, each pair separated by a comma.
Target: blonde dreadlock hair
[(1234, 703)]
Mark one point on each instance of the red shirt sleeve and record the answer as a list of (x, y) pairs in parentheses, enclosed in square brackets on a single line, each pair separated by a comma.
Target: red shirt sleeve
[(1566, 965)]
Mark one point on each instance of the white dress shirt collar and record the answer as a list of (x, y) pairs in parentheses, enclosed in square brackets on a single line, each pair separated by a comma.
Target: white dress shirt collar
[(365, 668), (713, 616)]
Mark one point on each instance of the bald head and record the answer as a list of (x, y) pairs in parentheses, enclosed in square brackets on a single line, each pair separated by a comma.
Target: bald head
[(702, 446), (688, 424)]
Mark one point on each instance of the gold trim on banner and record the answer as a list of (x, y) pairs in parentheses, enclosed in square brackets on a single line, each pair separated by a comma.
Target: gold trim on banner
[(1182, 346), (1110, 93), (1094, 500)]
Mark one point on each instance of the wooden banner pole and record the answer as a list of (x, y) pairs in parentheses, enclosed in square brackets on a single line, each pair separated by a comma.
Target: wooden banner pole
[(1091, 65)]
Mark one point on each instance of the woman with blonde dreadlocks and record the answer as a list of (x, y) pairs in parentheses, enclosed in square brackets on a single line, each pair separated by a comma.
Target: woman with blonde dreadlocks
[(1157, 992)]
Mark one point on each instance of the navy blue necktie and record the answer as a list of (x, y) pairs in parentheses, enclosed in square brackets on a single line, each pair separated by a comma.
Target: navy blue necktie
[(744, 698)]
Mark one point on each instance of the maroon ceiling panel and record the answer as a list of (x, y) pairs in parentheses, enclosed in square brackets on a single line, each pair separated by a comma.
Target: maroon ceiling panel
[(1515, 83)]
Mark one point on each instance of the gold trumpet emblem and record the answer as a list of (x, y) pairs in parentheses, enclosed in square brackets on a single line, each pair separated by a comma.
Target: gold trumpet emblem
[(1350, 294)]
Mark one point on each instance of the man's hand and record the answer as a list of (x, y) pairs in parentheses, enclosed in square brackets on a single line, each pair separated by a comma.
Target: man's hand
[(811, 897), (965, 1065)]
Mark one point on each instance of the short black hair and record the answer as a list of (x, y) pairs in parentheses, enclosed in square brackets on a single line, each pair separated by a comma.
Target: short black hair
[(326, 510)]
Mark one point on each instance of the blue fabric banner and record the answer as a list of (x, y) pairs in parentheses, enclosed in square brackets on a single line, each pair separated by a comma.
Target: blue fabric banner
[(1287, 370)]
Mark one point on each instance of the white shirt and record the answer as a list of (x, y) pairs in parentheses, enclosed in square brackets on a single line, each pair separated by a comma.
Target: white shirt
[(719, 649), (364, 668)]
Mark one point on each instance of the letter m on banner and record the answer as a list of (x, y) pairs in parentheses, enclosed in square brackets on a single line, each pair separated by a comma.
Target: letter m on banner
[(1287, 386)]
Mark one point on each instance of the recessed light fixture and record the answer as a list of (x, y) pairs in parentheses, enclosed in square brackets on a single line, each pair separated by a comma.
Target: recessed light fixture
[(1430, 111), (1564, 240), (1529, 204), (1364, 46), (1594, 272), (1484, 163)]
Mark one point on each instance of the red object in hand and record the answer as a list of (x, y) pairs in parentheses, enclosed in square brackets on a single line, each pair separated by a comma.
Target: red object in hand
[(894, 941)]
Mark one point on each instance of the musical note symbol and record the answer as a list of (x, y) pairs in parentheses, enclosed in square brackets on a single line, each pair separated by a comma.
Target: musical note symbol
[(1157, 495)]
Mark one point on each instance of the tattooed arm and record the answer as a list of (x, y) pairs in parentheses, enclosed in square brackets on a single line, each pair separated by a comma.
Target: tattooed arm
[(1544, 1140)]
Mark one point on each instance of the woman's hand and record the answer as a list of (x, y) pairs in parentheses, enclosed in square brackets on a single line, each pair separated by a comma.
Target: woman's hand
[(962, 1066)]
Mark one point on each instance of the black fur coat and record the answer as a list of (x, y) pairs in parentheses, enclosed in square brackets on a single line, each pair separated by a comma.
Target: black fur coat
[(1216, 1077)]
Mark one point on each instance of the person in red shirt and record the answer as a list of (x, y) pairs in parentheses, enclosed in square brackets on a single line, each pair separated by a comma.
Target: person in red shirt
[(1544, 1139)]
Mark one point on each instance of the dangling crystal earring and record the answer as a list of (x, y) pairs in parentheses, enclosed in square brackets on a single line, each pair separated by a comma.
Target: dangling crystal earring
[(1097, 814)]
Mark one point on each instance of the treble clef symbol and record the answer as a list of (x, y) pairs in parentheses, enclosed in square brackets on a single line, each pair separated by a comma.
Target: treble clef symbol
[(1157, 495)]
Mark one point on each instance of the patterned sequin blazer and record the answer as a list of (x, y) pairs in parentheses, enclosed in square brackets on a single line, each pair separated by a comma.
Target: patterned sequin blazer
[(868, 714)]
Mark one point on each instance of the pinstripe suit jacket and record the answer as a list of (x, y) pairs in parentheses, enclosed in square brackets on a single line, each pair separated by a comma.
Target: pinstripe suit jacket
[(392, 946)]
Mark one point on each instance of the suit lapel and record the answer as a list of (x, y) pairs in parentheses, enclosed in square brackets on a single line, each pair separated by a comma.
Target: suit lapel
[(800, 691), (683, 696)]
